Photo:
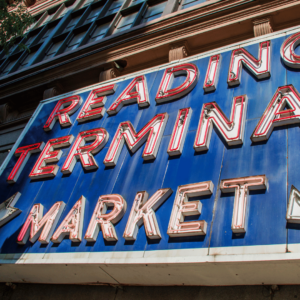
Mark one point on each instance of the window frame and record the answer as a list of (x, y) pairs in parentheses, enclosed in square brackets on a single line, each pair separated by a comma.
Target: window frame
[(99, 22), (137, 8), (151, 3)]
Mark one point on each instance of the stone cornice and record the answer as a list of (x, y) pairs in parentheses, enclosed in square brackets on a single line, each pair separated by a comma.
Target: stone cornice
[(43, 6)]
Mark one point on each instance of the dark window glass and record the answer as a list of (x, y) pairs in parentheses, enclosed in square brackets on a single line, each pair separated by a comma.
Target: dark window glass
[(115, 6), (189, 3), (125, 23), (153, 12), (46, 34), (8, 67), (30, 40), (93, 15), (71, 24), (11, 50), (99, 32), (25, 62), (75, 41), (53, 50)]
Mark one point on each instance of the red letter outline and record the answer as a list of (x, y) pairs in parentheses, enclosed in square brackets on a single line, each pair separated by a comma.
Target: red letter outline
[(287, 51), (260, 68), (40, 169), (232, 130), (165, 94), (212, 74), (273, 116), (62, 112), (40, 227), (152, 132), (128, 96), (93, 108), (85, 153), (24, 153)]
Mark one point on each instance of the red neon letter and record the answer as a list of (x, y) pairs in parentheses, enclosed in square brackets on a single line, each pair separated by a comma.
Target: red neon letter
[(182, 208), (62, 112), (93, 107), (24, 154), (152, 132), (287, 51), (179, 132), (241, 187), (136, 91), (85, 153), (100, 219), (232, 130), (260, 67), (143, 211), (276, 115), (165, 91), (72, 224), (212, 74), (38, 226), (40, 169)]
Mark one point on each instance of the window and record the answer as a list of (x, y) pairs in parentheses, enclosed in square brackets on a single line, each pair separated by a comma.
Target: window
[(125, 23), (99, 32), (115, 6), (189, 3), (72, 23), (75, 41), (25, 62), (93, 15), (153, 12), (11, 50), (30, 40), (53, 50), (65, 10), (46, 35), (8, 67), (85, 3)]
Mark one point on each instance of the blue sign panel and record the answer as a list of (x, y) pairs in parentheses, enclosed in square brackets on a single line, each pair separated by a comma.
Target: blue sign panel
[(263, 152)]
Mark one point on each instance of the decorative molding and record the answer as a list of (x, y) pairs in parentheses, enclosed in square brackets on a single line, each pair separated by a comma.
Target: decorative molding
[(53, 91), (29, 2), (262, 27), (178, 51), (7, 113), (43, 5), (4, 108), (108, 74)]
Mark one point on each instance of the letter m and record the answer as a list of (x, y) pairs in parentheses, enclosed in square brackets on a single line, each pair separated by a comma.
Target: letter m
[(152, 132), (38, 227)]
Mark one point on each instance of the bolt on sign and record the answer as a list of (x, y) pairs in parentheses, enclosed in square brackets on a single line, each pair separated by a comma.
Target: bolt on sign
[(185, 167)]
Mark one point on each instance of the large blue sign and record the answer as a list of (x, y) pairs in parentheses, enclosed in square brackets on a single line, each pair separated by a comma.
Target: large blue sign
[(253, 151)]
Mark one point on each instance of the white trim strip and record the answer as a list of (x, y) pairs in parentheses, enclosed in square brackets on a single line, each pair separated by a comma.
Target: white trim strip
[(197, 255)]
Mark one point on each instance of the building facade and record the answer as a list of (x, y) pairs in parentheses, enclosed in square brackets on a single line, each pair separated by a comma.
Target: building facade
[(205, 96), (75, 44)]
